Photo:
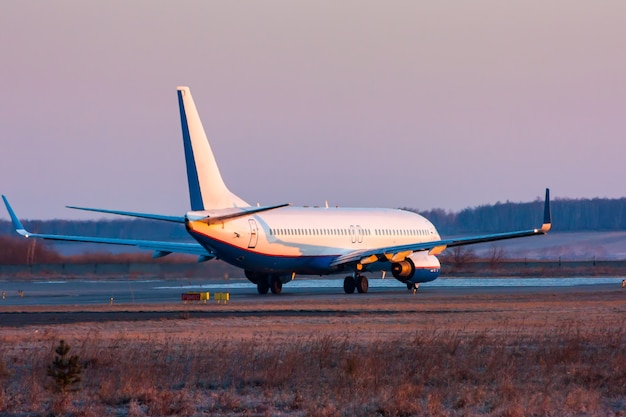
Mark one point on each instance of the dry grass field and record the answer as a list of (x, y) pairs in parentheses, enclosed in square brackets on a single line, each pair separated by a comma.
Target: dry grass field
[(508, 353)]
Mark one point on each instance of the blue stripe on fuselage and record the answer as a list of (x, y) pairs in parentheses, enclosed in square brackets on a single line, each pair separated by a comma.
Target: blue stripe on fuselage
[(261, 262), (195, 194)]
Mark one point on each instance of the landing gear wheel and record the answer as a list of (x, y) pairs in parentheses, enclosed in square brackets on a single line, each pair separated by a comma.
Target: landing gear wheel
[(276, 285), (412, 286), (349, 285), (362, 284), (262, 286)]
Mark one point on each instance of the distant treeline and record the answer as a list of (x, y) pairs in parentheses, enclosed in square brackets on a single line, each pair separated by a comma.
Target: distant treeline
[(598, 214), (568, 215)]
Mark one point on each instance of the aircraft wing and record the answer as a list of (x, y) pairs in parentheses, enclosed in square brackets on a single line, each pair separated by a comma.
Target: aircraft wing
[(160, 248), (399, 252)]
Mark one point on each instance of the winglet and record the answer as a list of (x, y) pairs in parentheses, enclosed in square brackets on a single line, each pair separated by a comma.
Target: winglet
[(547, 214), (17, 224)]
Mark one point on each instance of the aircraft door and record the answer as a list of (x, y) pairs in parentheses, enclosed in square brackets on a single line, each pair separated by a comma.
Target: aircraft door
[(352, 234), (359, 234), (254, 233)]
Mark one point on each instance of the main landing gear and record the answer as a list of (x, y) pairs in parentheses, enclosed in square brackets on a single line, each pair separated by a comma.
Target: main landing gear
[(272, 283), (359, 282)]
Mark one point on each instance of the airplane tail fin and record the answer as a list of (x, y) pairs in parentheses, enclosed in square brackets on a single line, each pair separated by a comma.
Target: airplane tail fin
[(207, 190)]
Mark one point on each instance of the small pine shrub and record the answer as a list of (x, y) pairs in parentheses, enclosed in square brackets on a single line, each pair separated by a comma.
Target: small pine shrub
[(65, 371)]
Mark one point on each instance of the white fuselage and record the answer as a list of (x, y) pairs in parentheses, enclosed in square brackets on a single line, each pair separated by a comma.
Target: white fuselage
[(306, 239)]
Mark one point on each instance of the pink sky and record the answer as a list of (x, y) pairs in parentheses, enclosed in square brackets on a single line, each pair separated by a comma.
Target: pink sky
[(376, 104)]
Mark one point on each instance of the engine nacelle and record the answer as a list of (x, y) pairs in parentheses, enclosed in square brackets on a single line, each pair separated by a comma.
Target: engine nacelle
[(417, 267)]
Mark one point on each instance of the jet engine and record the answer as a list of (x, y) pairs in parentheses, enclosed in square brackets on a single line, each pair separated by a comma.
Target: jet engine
[(417, 267)]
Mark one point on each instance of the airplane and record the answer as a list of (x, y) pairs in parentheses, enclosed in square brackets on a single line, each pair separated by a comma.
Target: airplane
[(275, 243)]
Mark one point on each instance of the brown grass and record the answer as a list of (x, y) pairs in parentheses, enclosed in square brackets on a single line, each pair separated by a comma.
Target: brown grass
[(529, 354), (432, 373)]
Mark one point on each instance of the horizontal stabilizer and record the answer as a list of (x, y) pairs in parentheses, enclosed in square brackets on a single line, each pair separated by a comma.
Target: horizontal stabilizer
[(175, 219), (229, 214)]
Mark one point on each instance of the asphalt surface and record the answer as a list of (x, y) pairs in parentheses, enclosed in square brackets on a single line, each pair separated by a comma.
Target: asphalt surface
[(46, 292), (40, 302)]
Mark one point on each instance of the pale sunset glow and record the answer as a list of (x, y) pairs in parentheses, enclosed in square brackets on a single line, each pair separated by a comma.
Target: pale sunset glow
[(358, 103)]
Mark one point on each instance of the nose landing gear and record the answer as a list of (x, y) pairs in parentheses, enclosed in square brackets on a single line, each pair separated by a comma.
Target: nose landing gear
[(412, 286)]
